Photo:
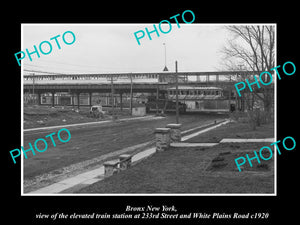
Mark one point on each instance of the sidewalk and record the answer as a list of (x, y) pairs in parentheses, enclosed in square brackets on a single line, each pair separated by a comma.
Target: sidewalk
[(239, 140), (85, 179), (97, 122)]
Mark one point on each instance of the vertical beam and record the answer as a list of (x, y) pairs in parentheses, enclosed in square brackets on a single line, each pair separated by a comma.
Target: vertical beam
[(177, 109), (53, 93), (112, 98), (33, 84), (90, 99), (72, 99), (78, 102), (121, 101), (39, 98), (229, 96), (131, 89), (236, 103), (157, 99), (229, 100)]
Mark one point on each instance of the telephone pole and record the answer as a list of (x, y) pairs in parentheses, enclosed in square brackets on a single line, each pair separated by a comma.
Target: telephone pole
[(177, 110), (131, 86), (112, 97)]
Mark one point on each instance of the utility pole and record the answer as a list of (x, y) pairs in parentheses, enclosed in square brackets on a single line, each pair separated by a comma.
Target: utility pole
[(131, 86), (112, 97), (177, 110), (229, 97)]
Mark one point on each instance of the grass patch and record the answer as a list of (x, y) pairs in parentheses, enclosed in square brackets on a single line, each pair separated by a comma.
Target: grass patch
[(184, 170), (235, 130), (226, 162), (41, 116)]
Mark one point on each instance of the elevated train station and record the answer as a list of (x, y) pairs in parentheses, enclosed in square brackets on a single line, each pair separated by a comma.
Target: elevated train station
[(87, 89)]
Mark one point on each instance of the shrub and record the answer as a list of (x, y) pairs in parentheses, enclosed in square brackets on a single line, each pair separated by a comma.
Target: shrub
[(254, 118), (239, 116)]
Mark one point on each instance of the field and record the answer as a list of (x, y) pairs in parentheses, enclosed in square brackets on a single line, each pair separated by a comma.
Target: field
[(44, 116), (198, 170), (187, 170), (177, 170), (235, 130)]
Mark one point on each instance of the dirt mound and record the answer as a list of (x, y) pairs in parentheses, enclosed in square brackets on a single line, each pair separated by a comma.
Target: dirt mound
[(40, 116), (225, 161)]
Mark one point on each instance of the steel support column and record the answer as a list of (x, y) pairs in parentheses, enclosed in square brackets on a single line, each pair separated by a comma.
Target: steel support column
[(121, 101), (39, 98), (78, 102), (53, 98), (90, 99)]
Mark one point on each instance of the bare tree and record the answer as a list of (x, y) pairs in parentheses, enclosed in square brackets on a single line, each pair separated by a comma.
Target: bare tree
[(254, 48)]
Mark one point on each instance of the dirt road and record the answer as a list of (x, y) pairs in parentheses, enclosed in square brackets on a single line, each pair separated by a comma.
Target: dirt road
[(95, 140)]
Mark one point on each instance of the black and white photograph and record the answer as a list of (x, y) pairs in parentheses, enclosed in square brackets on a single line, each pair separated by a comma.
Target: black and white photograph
[(153, 118), (168, 117)]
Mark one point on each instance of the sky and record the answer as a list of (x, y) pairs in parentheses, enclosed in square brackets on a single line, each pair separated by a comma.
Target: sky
[(112, 48)]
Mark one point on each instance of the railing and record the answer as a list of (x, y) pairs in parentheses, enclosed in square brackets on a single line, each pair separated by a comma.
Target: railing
[(133, 75)]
